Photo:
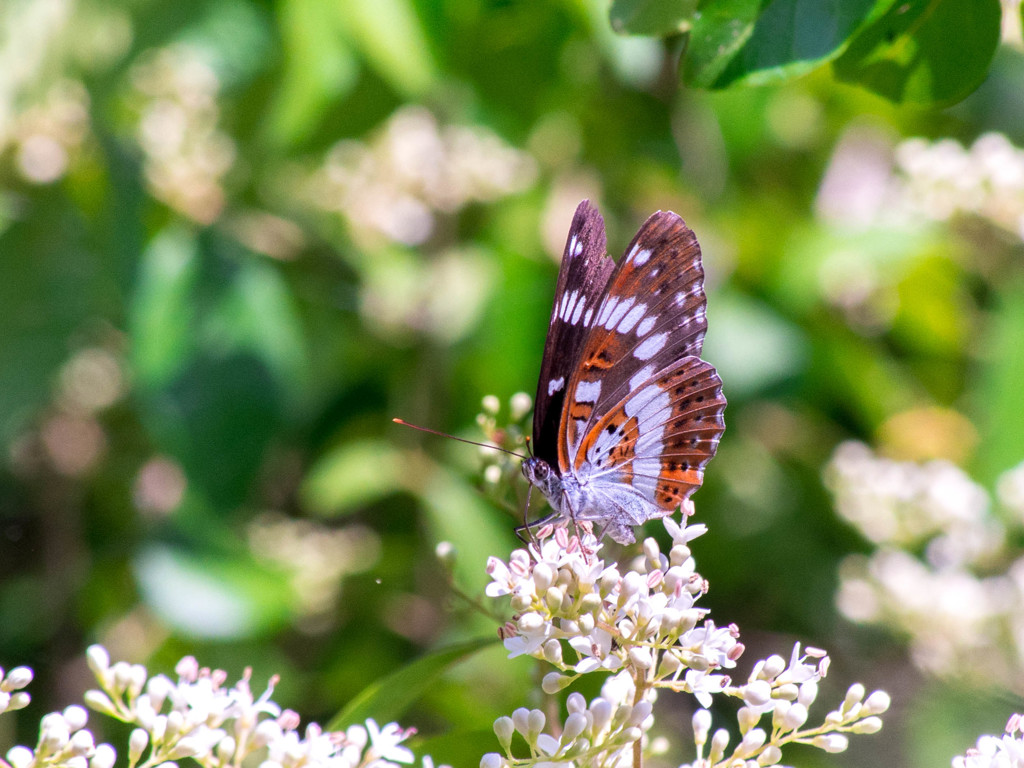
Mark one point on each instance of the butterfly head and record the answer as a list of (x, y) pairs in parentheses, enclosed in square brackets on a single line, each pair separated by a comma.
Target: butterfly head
[(540, 474)]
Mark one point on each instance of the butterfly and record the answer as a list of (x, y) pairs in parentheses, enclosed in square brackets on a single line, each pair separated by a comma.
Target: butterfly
[(627, 415)]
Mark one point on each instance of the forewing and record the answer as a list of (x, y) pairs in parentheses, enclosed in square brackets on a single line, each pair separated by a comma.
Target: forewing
[(582, 279), (652, 316), (658, 439)]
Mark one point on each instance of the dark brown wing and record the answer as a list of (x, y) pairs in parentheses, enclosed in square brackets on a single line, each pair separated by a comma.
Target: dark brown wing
[(582, 280), (652, 317)]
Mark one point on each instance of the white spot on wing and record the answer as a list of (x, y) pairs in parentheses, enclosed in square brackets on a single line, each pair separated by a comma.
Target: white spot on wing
[(555, 385), (617, 314), (607, 309), (573, 242), (632, 318), (586, 317), (650, 346), (642, 257), (640, 377), (567, 309), (561, 306), (578, 311), (588, 391), (646, 326), (577, 248)]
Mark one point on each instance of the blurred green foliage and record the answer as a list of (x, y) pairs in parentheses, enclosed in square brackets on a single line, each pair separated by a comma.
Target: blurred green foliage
[(237, 238)]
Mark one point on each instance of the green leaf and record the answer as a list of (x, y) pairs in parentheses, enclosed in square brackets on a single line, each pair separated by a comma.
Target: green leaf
[(386, 699), (999, 415), (652, 17), (48, 287), (319, 69), (925, 51), (390, 36), (756, 43), (211, 594), (351, 476)]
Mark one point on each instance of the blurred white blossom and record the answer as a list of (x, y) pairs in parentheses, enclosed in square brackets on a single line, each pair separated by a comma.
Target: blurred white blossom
[(186, 154), (945, 573), (413, 169)]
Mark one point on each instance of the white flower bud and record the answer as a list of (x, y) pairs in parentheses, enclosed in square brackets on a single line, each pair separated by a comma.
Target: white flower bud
[(553, 651), (678, 555), (54, 732), (20, 757), (601, 709), (831, 742), (186, 747), (503, 729), (719, 742), (795, 716), (576, 703), (445, 550), (773, 666), (688, 620), (137, 744), (122, 671), (591, 603), (136, 680), (159, 728), (98, 660), (808, 693), (530, 622), (632, 583), (771, 755), (18, 700), (586, 623), (543, 577), (553, 682), (175, 723), (747, 718), (520, 602), (757, 693), (76, 717), (520, 718), (575, 724), (76, 761), (104, 757), (867, 725), (632, 734), (652, 552), (267, 732), (17, 678), (535, 721), (877, 703), (752, 741), (787, 691), (491, 760), (82, 743), (491, 405), (609, 581), (100, 702), (554, 597), (640, 657), (854, 696), (701, 726), (670, 664), (641, 711), (226, 749)]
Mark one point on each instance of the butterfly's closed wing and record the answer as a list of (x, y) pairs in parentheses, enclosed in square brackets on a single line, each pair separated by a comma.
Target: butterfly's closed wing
[(653, 315), (657, 440), (582, 280), (641, 414)]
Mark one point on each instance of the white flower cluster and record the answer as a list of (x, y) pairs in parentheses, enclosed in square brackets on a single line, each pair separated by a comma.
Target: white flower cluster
[(197, 717), (11, 683), (1006, 751), (582, 616), (414, 168), (869, 182), (935, 534), (561, 591), (186, 154)]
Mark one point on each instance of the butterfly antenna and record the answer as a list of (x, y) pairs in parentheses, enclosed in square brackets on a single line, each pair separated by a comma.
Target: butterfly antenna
[(460, 439)]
